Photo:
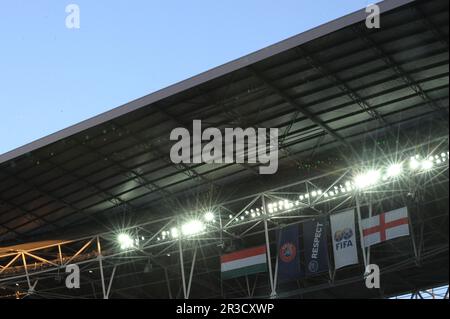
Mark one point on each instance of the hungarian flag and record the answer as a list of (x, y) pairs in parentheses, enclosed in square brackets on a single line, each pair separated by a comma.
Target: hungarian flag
[(244, 262), (385, 226)]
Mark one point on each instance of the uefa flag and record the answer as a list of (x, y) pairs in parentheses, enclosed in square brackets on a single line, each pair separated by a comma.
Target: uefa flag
[(344, 239), (288, 254)]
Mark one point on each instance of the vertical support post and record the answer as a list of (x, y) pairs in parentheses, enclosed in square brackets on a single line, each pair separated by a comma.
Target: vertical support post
[(275, 281), (110, 282), (60, 254), (100, 261), (166, 274), (30, 288), (183, 276), (248, 286), (266, 232), (192, 271), (361, 235), (370, 215), (221, 229), (413, 238)]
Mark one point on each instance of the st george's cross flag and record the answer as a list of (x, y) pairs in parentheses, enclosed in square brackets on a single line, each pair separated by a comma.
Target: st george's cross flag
[(385, 226)]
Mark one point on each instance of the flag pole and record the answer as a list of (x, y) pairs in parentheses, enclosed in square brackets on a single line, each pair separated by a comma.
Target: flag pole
[(361, 235), (413, 237), (266, 232), (331, 272), (275, 283), (370, 215)]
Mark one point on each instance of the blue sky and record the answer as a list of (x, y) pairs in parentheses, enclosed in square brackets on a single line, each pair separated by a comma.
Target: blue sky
[(52, 77)]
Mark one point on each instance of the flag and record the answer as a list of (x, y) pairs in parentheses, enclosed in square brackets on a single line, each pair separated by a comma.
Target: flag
[(316, 254), (244, 262), (288, 254), (385, 226), (344, 239)]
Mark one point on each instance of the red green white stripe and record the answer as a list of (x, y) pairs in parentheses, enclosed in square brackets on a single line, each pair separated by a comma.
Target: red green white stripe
[(244, 262)]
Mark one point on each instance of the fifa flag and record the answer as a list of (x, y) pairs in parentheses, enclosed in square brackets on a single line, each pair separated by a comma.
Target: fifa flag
[(344, 239), (244, 262), (385, 226), (288, 254), (316, 252)]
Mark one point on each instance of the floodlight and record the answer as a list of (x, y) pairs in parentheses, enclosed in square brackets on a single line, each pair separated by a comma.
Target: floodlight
[(394, 170), (209, 216), (192, 228), (367, 179), (125, 241), (427, 164), (174, 232), (414, 163)]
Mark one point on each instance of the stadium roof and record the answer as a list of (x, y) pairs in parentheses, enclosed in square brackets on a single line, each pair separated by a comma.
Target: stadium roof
[(339, 93)]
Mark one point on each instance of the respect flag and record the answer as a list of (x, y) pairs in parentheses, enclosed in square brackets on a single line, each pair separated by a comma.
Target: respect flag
[(344, 239), (316, 252), (288, 254), (385, 226)]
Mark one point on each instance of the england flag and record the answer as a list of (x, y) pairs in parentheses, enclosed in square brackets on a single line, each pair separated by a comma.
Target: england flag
[(385, 226)]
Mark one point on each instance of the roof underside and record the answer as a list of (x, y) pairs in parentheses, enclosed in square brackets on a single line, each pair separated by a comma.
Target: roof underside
[(335, 100)]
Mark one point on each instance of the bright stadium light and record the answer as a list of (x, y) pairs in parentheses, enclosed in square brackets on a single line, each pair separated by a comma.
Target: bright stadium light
[(209, 216), (125, 241), (174, 232), (367, 179), (414, 163), (427, 164), (193, 227), (394, 170)]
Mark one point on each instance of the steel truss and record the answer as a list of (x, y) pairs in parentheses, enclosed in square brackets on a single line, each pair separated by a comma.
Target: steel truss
[(234, 220)]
